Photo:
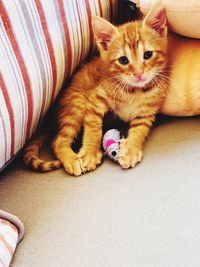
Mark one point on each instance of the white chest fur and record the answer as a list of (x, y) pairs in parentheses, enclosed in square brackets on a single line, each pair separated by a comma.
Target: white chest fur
[(129, 109), (137, 104), (127, 112)]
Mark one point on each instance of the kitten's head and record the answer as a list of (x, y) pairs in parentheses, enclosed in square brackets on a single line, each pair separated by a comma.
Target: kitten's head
[(135, 52)]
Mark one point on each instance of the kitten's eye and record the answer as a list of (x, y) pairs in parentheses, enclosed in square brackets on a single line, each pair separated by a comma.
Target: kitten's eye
[(123, 60), (147, 54)]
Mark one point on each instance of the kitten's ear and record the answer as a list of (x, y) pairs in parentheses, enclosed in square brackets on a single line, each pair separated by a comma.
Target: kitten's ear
[(103, 32), (157, 19)]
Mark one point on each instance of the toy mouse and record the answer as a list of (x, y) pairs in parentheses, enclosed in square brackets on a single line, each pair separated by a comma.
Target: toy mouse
[(111, 143)]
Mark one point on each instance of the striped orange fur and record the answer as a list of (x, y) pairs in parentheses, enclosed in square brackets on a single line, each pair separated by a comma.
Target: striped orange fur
[(127, 78)]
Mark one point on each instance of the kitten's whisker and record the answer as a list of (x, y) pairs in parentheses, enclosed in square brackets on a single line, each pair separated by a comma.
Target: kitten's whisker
[(124, 90), (120, 88), (114, 78), (159, 82), (164, 77), (160, 79), (115, 91)]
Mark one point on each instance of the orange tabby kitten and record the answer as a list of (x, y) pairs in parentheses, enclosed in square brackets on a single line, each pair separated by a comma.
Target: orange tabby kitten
[(127, 79)]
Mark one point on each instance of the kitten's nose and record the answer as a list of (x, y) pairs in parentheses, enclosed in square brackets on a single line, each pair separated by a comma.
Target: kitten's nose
[(139, 75)]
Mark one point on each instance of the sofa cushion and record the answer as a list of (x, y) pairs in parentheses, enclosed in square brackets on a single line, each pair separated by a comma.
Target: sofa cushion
[(42, 42), (183, 94), (183, 15), (11, 232)]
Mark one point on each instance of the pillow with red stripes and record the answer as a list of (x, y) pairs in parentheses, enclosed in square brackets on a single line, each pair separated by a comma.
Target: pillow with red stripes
[(42, 42)]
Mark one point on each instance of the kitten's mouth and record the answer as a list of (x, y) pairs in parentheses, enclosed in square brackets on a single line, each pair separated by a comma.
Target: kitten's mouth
[(138, 82)]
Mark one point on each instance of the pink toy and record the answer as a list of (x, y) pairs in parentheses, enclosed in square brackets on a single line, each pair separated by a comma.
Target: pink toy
[(111, 143)]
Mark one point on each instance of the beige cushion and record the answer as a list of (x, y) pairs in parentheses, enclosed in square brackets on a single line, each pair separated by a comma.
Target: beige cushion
[(183, 15), (183, 98)]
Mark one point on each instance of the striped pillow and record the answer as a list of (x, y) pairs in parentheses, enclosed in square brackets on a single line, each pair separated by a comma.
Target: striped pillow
[(11, 233), (8, 242), (41, 44)]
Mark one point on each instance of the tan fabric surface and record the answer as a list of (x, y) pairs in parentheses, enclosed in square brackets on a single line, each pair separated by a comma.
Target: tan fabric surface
[(147, 216), (183, 16)]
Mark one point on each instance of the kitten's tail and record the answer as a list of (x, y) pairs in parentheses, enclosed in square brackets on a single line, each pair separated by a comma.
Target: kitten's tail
[(32, 159)]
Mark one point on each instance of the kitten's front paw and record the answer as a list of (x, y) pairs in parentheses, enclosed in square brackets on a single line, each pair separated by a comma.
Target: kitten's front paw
[(90, 160), (128, 157), (73, 166)]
